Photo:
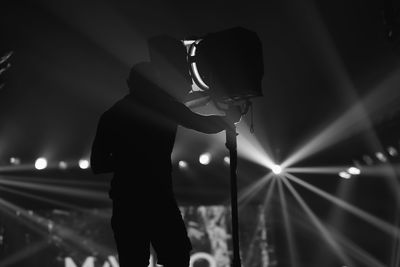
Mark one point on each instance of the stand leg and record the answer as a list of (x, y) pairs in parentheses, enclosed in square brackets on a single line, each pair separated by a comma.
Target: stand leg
[(231, 144)]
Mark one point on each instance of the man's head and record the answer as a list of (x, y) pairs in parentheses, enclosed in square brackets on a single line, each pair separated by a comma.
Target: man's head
[(141, 77), (169, 57)]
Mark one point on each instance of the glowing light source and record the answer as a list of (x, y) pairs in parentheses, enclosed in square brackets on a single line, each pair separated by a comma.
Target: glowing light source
[(345, 175), (392, 151), (368, 159), (41, 163), (381, 156), (276, 169), (182, 164), (205, 158), (354, 171), (62, 165), (227, 160), (15, 161), (83, 164)]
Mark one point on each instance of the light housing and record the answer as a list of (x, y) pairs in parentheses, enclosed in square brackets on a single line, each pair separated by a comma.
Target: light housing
[(228, 65)]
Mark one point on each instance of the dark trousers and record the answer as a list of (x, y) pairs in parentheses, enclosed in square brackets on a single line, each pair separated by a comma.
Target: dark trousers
[(153, 220)]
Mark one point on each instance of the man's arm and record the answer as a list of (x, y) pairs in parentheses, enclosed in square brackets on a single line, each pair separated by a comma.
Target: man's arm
[(207, 124), (101, 159)]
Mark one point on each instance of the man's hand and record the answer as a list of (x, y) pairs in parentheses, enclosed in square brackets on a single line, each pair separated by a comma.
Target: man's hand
[(233, 114)]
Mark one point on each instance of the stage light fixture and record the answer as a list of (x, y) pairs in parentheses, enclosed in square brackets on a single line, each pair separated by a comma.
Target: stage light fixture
[(392, 151), (227, 160), (276, 169), (41, 163), (205, 158), (182, 164), (83, 164), (381, 156), (354, 171), (227, 65), (345, 175), (15, 161), (368, 160), (62, 165)]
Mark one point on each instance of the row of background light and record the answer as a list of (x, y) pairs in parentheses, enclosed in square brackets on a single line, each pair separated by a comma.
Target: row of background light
[(42, 163), (356, 170)]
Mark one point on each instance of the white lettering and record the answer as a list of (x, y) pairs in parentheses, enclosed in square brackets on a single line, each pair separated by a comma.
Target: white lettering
[(89, 262), (112, 261), (203, 256)]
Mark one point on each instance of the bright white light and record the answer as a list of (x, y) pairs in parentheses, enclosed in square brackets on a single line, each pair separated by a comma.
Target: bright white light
[(276, 169), (345, 175), (182, 164), (354, 171), (83, 164), (227, 160), (41, 163), (63, 165), (205, 158)]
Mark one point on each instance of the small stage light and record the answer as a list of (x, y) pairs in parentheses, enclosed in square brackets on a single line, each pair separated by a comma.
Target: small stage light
[(227, 160), (62, 165), (368, 160), (83, 164), (354, 171), (392, 151), (276, 169), (15, 161), (41, 163), (182, 164), (205, 158), (381, 156), (345, 175)]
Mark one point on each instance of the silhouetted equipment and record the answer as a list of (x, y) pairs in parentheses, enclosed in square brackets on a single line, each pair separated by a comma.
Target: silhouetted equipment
[(227, 67)]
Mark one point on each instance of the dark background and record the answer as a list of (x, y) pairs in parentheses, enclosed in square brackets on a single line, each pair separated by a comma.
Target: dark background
[(322, 58)]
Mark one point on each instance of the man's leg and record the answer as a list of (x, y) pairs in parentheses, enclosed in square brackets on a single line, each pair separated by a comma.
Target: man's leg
[(131, 236), (169, 236)]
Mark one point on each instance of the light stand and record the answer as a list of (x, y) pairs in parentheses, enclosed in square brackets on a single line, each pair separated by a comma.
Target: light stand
[(231, 144), (227, 67)]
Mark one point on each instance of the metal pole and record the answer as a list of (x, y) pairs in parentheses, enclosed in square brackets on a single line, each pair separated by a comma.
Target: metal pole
[(231, 144)]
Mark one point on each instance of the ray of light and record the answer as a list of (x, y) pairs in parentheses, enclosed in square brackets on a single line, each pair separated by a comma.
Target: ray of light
[(75, 192), (318, 170), (17, 168), (248, 146), (264, 207), (355, 120), (27, 251), (288, 227), (357, 252), (44, 225), (318, 224), (395, 257), (380, 224), (53, 180), (249, 192), (48, 200), (107, 28), (336, 214)]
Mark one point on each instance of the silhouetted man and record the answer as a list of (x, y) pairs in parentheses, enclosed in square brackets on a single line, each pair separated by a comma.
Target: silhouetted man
[(134, 140)]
